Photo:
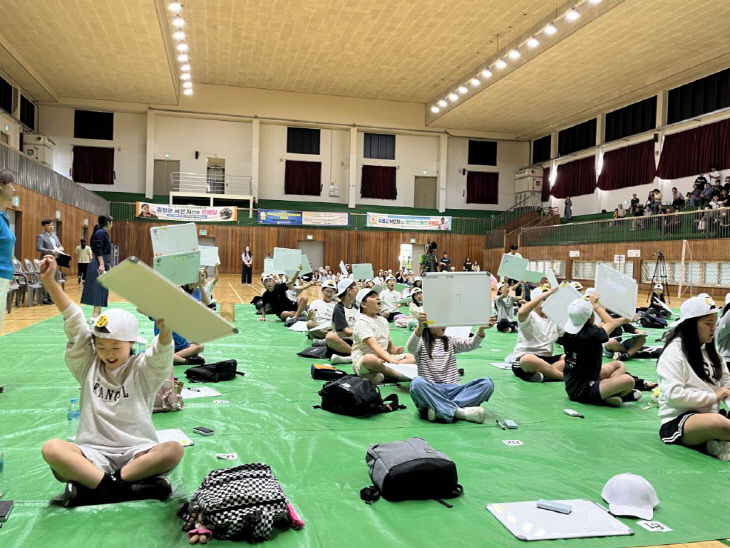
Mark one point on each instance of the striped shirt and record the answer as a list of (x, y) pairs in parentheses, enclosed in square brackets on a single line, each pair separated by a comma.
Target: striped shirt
[(441, 366)]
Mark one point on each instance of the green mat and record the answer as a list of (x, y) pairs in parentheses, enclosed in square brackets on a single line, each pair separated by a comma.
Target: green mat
[(320, 457)]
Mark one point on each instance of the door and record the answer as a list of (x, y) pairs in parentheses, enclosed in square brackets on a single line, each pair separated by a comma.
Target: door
[(314, 252), (13, 229), (161, 178), (405, 257), (424, 192), (216, 175)]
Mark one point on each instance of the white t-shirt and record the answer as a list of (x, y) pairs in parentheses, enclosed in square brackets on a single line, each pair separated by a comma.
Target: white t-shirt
[(389, 298), (322, 311), (366, 327), (536, 336)]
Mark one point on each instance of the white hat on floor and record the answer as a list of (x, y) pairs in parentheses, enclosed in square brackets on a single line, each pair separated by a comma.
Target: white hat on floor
[(329, 284), (364, 293), (343, 285), (116, 324), (630, 495), (695, 307), (579, 311)]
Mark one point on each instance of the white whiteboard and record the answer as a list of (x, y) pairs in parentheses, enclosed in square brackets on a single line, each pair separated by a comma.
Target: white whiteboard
[(362, 271), (551, 277), (512, 267), (617, 290), (171, 239), (457, 298), (158, 297), (209, 255), (555, 306)]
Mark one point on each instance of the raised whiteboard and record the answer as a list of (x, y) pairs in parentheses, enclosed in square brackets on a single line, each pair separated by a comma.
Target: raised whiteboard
[(457, 298), (362, 271), (171, 239), (617, 290), (156, 296), (179, 268), (209, 255), (512, 267), (555, 306)]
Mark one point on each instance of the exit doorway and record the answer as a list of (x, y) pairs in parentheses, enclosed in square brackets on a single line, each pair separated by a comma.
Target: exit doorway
[(424, 192), (162, 173)]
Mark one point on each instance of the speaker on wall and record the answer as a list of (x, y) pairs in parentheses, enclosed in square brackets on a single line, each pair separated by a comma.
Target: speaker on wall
[(197, 154)]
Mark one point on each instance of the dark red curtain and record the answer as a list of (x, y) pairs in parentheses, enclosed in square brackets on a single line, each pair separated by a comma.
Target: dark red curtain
[(378, 182), (695, 151), (575, 178), (482, 187), (93, 165), (303, 178), (545, 196), (628, 166)]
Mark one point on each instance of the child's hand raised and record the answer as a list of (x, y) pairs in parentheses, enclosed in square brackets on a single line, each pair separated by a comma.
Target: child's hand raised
[(165, 332), (47, 269)]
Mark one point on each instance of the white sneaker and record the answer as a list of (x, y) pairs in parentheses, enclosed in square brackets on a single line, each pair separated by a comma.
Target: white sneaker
[(719, 449), (471, 414), (337, 359), (319, 342), (431, 414)]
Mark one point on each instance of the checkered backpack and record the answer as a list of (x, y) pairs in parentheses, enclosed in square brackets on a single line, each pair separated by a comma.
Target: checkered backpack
[(240, 503)]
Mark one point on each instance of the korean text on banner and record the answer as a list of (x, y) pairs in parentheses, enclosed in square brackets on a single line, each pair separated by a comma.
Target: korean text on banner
[(185, 213)]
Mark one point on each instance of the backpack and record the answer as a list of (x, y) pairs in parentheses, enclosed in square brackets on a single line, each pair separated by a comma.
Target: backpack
[(213, 372), (410, 469), (168, 396), (649, 321), (326, 372), (355, 396), (240, 503)]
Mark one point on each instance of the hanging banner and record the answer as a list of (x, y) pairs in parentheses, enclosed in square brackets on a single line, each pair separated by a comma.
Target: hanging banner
[(408, 222), (185, 213), (311, 218)]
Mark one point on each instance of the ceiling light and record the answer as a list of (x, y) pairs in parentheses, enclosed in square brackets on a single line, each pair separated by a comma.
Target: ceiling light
[(474, 82), (500, 64), (185, 67), (188, 91), (182, 47), (486, 73), (513, 54), (185, 76), (550, 29), (183, 58), (594, 2), (442, 103), (187, 84), (178, 35), (435, 109), (462, 90), (533, 42), (174, 7), (178, 22), (453, 97), (572, 14)]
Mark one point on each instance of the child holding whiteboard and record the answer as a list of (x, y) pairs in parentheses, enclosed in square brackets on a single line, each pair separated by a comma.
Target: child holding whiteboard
[(436, 391), (532, 358), (505, 306), (693, 380), (657, 306), (587, 380), (373, 350)]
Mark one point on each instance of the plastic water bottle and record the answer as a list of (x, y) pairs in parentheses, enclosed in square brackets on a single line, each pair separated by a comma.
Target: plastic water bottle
[(2, 466), (141, 343), (73, 415)]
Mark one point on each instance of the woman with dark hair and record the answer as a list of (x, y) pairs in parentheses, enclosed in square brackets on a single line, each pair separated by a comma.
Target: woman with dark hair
[(94, 293), (7, 238), (693, 380), (83, 258), (247, 266)]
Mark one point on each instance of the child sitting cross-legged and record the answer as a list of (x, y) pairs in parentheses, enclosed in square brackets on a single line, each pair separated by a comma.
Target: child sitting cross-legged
[(117, 456), (436, 390)]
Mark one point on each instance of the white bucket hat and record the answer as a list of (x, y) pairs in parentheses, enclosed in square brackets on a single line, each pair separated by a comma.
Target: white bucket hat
[(579, 311), (630, 495), (343, 285), (116, 324), (695, 307), (329, 284), (364, 293), (536, 292)]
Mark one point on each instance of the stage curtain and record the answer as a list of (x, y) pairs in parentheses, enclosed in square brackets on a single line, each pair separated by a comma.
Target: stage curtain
[(93, 165), (575, 178), (378, 182), (482, 187), (628, 166), (695, 151), (545, 193), (303, 178)]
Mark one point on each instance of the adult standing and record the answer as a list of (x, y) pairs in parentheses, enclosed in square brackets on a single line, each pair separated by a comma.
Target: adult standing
[(468, 266), (94, 293), (247, 267), (83, 257), (568, 209), (47, 242), (7, 238)]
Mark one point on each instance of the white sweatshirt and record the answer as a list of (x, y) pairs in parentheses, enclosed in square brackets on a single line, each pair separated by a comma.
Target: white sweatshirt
[(722, 337), (681, 389)]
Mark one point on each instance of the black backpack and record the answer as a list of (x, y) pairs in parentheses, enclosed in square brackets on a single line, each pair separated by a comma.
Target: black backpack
[(214, 372), (649, 321), (355, 396)]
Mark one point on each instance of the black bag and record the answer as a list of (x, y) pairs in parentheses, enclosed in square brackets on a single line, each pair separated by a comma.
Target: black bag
[(649, 321), (213, 372), (357, 397), (317, 352), (326, 372), (241, 503), (410, 469)]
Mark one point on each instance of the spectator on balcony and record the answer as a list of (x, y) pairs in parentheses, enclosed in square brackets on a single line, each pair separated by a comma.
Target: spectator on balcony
[(634, 203), (701, 180), (677, 198), (656, 201), (694, 197), (639, 224), (707, 193), (727, 183), (717, 188), (699, 224), (621, 211), (513, 251), (613, 218), (714, 173), (725, 198), (568, 209)]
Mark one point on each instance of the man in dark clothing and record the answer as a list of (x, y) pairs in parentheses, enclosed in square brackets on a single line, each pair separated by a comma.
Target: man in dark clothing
[(428, 259), (444, 263), (280, 304)]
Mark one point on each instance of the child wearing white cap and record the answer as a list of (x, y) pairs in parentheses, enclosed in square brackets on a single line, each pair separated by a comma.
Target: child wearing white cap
[(344, 316), (275, 297), (373, 350), (389, 299), (415, 308), (693, 380), (657, 305), (532, 358), (117, 456), (587, 380), (320, 312)]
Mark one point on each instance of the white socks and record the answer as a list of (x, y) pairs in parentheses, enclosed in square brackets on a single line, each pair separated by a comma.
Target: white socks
[(471, 414)]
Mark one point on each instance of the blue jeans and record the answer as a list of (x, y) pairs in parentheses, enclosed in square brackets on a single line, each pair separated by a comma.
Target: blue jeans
[(445, 398)]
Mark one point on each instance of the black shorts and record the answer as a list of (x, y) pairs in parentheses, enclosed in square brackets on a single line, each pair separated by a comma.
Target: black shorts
[(524, 375), (591, 394), (671, 432)]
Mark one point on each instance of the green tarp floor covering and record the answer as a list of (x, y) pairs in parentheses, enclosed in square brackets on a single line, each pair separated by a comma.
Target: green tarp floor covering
[(319, 457)]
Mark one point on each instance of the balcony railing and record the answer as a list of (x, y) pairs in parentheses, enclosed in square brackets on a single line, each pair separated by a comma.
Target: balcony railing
[(211, 183)]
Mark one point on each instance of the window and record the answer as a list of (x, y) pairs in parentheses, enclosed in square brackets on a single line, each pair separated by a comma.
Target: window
[(704, 95), (379, 146), (482, 153), (541, 149), (482, 187), (558, 267), (302, 140), (89, 124), (578, 137), (27, 112), (93, 165), (586, 270), (378, 182), (6, 96), (700, 273), (303, 178), (631, 120)]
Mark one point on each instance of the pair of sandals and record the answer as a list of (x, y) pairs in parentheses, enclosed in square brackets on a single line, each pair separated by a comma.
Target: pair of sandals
[(199, 535)]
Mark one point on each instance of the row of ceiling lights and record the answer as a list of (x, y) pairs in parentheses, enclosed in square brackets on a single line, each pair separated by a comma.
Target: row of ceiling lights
[(501, 63), (181, 47)]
